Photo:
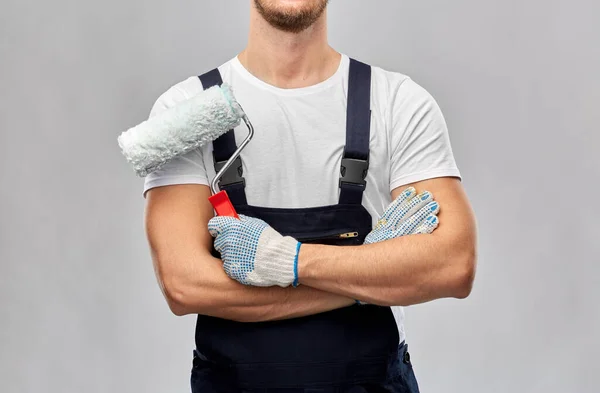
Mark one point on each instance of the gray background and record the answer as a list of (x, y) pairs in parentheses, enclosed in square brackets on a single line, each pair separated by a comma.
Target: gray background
[(517, 80)]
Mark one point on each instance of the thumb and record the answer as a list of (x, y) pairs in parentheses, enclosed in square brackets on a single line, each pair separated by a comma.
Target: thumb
[(380, 235), (219, 224)]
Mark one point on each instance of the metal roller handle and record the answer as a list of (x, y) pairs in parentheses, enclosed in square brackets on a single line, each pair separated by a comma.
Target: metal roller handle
[(235, 155), (219, 199)]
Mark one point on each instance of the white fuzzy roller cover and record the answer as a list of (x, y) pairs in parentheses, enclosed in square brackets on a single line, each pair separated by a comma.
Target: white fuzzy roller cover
[(180, 129)]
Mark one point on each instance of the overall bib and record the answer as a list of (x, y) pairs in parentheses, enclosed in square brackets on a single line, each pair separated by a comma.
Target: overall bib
[(353, 349)]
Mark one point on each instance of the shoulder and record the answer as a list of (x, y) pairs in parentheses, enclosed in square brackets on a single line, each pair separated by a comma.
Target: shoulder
[(181, 91), (395, 89), (175, 94)]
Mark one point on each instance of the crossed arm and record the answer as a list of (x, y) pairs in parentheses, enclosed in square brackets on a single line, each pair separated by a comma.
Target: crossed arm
[(194, 282), (403, 271)]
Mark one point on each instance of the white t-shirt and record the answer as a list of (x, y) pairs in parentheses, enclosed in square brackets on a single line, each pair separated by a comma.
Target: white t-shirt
[(293, 160)]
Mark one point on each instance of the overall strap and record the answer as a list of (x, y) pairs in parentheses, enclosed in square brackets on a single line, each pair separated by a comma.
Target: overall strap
[(355, 161), (223, 147)]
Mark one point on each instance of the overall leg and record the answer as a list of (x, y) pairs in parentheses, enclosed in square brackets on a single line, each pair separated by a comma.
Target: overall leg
[(401, 377)]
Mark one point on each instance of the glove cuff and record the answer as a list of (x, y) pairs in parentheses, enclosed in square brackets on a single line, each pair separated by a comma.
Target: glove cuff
[(279, 258)]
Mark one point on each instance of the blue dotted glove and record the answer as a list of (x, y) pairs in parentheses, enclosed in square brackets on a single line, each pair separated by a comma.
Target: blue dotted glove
[(408, 214), (253, 253)]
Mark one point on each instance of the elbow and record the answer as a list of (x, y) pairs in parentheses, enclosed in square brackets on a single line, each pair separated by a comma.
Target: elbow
[(185, 297), (176, 296), (184, 293), (178, 293), (464, 274), (177, 303)]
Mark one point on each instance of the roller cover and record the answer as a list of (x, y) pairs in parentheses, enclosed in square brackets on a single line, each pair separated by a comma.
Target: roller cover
[(180, 129)]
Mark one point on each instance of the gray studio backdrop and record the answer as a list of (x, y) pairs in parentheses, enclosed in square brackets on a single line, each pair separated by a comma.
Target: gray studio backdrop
[(518, 81)]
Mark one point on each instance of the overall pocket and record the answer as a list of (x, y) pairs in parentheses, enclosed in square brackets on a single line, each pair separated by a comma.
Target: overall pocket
[(337, 236)]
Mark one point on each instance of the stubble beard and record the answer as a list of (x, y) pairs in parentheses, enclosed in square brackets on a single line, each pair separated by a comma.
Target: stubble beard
[(291, 19)]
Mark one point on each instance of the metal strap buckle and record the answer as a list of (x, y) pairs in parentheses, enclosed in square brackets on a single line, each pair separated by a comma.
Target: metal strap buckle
[(233, 174), (354, 171)]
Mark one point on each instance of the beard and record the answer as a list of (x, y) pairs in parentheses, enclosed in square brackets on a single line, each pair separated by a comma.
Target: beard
[(293, 18)]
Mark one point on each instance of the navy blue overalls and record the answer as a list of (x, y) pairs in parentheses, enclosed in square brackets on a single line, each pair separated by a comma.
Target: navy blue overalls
[(353, 349)]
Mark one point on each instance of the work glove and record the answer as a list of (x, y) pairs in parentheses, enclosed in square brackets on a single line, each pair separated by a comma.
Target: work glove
[(408, 214), (253, 253)]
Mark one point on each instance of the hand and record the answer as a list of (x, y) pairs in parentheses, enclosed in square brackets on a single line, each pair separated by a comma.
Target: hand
[(253, 253), (408, 214)]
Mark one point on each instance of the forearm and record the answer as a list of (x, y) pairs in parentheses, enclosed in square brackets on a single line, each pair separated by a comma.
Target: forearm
[(207, 290), (403, 271), (194, 282)]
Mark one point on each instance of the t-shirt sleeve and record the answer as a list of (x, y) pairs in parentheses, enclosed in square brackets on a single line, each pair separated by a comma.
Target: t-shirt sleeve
[(185, 169), (420, 144)]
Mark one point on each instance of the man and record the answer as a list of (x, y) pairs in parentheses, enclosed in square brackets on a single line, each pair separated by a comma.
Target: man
[(296, 294)]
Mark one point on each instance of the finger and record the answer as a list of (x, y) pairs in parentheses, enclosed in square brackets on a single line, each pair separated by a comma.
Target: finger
[(218, 224), (404, 196), (232, 270), (428, 225), (239, 272), (409, 208), (253, 221), (220, 243), (414, 220)]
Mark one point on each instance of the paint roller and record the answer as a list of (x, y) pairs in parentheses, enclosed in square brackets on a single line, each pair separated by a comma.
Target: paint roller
[(182, 128)]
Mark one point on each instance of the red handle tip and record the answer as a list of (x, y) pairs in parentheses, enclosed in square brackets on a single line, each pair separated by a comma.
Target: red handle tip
[(222, 204)]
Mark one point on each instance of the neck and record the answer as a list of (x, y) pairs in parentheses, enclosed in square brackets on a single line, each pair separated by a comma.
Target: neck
[(289, 60)]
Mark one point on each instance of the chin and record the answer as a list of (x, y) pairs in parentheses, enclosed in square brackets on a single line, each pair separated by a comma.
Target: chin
[(291, 15)]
